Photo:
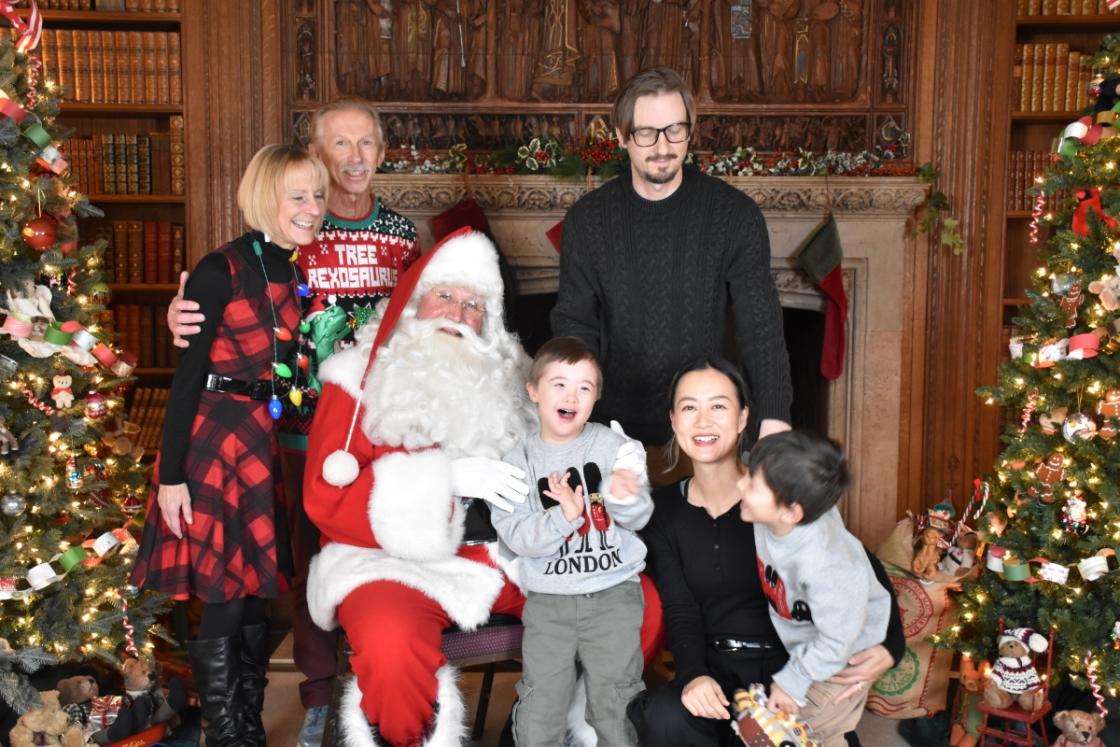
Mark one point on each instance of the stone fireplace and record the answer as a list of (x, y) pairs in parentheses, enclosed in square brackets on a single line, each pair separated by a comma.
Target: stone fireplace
[(864, 405)]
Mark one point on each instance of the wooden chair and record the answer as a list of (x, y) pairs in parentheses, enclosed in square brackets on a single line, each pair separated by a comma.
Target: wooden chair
[(498, 641), (1014, 714)]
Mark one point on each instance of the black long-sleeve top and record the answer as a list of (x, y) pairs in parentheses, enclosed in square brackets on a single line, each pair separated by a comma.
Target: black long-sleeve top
[(649, 284), (706, 572), (210, 285)]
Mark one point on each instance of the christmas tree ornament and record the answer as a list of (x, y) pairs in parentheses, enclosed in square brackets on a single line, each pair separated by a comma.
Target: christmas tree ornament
[(1048, 473), (73, 474), (1070, 303), (40, 233), (1052, 420), (1115, 636), (1061, 283), (1109, 407), (1110, 427), (62, 394), (12, 504), (1079, 427), (8, 442), (96, 406), (1075, 517)]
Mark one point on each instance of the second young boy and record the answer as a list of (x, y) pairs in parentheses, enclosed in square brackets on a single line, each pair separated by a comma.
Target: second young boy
[(581, 555)]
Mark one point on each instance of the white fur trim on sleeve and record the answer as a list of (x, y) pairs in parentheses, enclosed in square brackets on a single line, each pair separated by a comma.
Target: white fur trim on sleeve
[(412, 510), (346, 369)]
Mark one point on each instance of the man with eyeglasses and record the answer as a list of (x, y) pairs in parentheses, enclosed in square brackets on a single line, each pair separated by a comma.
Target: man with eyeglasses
[(651, 263)]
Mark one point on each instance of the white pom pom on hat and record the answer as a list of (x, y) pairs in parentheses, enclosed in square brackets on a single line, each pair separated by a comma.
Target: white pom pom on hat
[(1027, 637), (340, 468)]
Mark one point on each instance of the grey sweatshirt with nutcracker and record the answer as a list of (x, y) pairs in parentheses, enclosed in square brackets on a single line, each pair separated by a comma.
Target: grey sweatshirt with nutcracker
[(596, 551)]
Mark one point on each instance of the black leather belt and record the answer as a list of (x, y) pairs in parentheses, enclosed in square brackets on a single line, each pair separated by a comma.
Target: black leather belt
[(260, 390), (723, 644)]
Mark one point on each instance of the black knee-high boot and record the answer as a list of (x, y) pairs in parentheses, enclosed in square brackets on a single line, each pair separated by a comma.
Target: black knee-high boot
[(216, 663), (254, 665)]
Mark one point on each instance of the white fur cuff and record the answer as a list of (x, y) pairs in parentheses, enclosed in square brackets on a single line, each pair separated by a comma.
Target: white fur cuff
[(412, 510)]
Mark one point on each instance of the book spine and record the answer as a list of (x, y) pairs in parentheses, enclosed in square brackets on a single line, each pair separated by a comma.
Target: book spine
[(178, 250), (1028, 78), (135, 252), (165, 266), (1061, 74), (178, 155), (131, 165), (136, 66), (64, 37), (151, 67), (108, 163), (1039, 77), (80, 50), (151, 252), (163, 71), (143, 165), (120, 251), (108, 66), (1073, 66), (174, 69), (124, 68), (96, 67)]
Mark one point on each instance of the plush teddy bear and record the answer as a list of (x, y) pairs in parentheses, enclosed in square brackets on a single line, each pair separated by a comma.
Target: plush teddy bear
[(968, 718), (46, 725), (1108, 291), (62, 394), (119, 435), (928, 555), (1079, 729), (111, 718), (1013, 678)]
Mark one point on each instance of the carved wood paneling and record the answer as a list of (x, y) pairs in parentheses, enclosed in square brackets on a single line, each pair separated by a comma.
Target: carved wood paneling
[(952, 437), (232, 101)]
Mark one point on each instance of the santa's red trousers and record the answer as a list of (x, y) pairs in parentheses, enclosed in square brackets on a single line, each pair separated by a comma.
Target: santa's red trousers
[(395, 634)]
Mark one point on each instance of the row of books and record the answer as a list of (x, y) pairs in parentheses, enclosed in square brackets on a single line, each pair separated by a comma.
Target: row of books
[(1022, 168), (1062, 7), (149, 404), (142, 330), (143, 251), (129, 164), (114, 67), (113, 6), (1051, 78)]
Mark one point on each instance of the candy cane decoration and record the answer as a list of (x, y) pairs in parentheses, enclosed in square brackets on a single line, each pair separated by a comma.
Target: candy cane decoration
[(34, 402), (1025, 419), (1036, 214), (1091, 673), (129, 631)]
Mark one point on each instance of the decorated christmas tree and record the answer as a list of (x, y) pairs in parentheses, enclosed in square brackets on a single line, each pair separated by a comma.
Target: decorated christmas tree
[(1051, 512), (72, 488)]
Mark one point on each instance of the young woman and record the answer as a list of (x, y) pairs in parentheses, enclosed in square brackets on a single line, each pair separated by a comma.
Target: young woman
[(701, 556), (215, 529)]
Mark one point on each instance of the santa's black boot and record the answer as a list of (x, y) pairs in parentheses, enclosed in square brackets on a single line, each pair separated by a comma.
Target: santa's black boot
[(254, 665), (216, 664)]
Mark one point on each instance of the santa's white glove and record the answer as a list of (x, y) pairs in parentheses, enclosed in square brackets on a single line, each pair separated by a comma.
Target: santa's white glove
[(631, 455), (492, 480)]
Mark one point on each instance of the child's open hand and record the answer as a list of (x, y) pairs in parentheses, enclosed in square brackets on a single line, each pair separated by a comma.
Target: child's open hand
[(780, 700), (624, 484), (571, 501)]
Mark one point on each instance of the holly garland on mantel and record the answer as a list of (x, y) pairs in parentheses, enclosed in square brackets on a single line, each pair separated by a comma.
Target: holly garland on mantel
[(603, 156)]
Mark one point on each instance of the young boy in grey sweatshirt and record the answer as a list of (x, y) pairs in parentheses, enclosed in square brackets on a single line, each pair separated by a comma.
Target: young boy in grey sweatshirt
[(825, 602), (581, 555)]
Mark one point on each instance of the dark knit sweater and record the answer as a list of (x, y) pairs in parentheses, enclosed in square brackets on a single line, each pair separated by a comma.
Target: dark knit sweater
[(647, 284)]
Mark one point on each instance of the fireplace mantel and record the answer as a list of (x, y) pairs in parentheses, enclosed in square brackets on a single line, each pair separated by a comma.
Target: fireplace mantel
[(866, 403)]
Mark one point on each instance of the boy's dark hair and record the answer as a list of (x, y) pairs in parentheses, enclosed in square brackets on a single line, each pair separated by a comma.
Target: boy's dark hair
[(563, 350), (802, 467)]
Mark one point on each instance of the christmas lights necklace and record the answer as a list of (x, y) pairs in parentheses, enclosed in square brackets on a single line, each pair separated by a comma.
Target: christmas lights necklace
[(275, 408)]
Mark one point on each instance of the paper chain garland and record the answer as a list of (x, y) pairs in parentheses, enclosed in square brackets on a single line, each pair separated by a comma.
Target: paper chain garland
[(89, 554)]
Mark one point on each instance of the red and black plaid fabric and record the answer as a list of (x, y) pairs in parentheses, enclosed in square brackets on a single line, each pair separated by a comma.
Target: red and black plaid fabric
[(238, 544)]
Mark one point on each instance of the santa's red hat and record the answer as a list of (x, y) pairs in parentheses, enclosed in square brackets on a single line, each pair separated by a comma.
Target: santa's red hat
[(464, 258)]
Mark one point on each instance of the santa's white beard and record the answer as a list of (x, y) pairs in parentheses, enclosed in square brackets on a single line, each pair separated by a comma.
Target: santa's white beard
[(463, 393)]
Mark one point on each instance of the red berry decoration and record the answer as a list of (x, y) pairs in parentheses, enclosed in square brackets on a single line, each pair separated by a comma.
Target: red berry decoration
[(40, 233)]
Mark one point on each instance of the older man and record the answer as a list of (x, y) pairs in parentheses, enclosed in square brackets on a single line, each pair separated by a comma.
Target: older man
[(360, 252), (410, 421)]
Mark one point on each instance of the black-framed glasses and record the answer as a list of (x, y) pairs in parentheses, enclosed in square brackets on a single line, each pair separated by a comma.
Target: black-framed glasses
[(677, 132)]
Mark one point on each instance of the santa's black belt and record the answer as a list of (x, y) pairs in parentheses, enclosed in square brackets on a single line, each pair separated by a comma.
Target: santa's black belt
[(260, 390), (725, 644)]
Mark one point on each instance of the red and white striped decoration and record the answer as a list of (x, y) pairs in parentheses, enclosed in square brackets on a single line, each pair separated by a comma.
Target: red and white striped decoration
[(30, 31)]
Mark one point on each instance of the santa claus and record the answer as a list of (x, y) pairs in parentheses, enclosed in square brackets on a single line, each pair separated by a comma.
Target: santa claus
[(416, 415)]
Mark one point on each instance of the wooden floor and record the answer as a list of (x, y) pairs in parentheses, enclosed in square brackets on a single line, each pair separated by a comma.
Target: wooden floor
[(283, 714)]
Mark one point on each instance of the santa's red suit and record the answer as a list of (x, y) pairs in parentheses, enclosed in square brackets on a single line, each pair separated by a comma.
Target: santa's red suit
[(397, 415)]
